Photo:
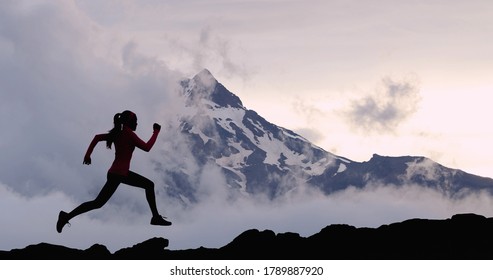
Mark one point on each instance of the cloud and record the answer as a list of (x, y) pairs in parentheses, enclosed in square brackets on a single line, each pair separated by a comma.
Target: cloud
[(61, 84), (309, 111), (311, 134), (212, 51), (307, 212), (218, 218), (58, 90), (29, 221), (384, 110)]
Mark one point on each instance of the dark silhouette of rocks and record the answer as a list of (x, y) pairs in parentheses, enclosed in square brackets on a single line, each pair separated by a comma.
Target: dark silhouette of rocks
[(153, 248), (45, 251), (462, 237)]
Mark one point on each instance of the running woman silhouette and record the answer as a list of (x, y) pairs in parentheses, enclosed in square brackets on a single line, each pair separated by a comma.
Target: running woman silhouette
[(125, 140)]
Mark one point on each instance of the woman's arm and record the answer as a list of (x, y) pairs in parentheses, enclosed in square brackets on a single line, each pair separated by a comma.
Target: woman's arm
[(95, 140), (146, 146)]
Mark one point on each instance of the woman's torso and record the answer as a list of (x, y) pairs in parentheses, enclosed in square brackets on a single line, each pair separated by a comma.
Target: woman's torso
[(124, 147)]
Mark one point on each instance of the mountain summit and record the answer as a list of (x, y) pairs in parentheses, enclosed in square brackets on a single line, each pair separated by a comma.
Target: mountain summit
[(205, 86), (258, 157)]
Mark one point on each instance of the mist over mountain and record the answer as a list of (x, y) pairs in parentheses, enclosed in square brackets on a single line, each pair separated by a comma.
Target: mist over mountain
[(256, 157)]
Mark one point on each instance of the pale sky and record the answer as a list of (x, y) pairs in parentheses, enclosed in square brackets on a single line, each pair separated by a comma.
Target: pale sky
[(355, 77)]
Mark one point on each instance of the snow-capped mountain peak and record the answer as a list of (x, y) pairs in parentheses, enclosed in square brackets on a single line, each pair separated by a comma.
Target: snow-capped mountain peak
[(204, 87), (256, 156)]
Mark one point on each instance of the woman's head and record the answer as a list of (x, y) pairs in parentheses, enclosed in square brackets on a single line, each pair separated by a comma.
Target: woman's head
[(125, 118)]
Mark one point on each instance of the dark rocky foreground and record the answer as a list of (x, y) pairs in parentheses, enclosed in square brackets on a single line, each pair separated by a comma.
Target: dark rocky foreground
[(464, 236)]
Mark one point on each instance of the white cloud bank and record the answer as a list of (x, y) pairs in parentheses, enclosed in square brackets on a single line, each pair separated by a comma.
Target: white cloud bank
[(216, 221)]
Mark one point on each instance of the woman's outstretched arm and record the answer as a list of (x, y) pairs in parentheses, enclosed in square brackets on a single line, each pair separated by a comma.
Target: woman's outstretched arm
[(146, 146), (95, 140)]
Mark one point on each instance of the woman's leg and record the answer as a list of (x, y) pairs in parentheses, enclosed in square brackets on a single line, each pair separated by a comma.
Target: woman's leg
[(136, 180), (104, 195)]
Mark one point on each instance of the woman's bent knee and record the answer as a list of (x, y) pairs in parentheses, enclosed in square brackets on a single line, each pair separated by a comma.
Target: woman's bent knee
[(150, 185), (96, 204)]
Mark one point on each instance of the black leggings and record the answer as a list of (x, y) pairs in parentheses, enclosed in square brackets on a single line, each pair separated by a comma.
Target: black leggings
[(112, 183)]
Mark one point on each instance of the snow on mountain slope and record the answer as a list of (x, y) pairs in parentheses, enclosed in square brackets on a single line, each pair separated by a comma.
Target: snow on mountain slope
[(253, 154), (256, 156)]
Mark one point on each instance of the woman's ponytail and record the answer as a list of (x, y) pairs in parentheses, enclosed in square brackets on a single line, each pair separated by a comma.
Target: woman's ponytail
[(117, 121)]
